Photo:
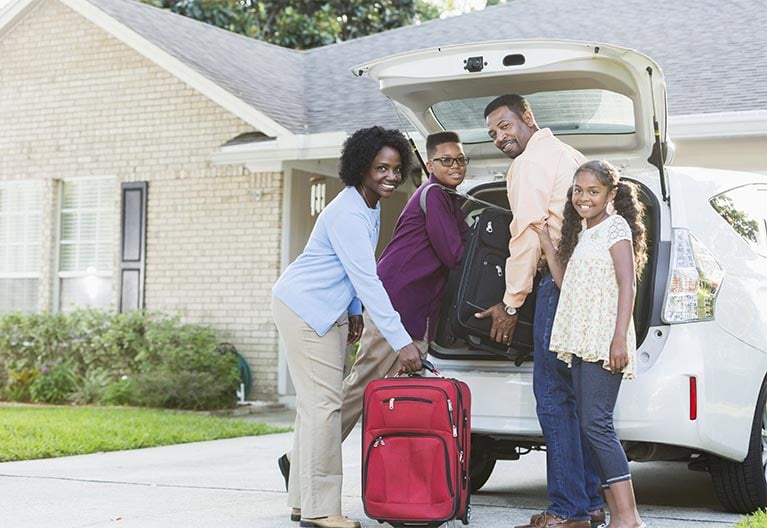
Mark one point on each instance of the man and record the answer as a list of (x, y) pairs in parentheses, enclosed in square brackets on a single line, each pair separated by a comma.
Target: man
[(414, 269), (537, 182)]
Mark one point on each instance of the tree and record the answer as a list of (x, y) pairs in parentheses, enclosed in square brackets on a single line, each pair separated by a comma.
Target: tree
[(306, 24)]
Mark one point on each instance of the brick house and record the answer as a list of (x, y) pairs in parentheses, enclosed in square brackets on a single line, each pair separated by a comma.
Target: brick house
[(149, 160)]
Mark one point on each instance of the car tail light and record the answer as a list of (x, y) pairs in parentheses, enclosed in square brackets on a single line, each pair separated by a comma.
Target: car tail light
[(693, 282), (693, 398)]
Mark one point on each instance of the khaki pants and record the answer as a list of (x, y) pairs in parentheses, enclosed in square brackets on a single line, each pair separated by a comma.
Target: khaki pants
[(316, 366), (375, 360)]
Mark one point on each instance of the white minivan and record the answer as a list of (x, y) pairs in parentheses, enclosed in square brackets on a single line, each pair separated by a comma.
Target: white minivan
[(700, 396)]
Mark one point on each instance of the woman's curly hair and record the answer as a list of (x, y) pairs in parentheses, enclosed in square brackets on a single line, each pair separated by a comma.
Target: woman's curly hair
[(361, 148), (626, 204)]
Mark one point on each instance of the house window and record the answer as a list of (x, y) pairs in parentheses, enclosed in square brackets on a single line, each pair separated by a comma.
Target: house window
[(317, 198), (20, 225), (85, 243)]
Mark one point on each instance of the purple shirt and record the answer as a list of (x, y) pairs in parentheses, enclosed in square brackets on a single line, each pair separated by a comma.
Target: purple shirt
[(415, 265)]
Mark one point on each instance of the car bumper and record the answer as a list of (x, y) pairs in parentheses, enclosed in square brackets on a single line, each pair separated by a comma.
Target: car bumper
[(656, 406)]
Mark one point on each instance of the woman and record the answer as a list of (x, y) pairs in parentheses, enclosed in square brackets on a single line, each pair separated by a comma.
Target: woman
[(317, 306)]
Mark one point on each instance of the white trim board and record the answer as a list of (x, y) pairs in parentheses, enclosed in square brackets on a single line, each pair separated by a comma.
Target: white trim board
[(718, 125)]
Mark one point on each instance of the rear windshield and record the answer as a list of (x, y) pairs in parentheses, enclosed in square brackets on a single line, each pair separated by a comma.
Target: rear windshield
[(564, 112)]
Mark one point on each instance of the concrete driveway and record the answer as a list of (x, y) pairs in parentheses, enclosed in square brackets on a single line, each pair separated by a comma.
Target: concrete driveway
[(235, 483)]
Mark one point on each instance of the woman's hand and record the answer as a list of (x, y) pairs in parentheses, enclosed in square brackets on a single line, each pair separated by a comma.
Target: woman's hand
[(409, 359), (355, 329)]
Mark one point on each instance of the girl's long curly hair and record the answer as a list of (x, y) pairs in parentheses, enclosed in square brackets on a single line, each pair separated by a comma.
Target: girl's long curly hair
[(361, 148), (626, 204)]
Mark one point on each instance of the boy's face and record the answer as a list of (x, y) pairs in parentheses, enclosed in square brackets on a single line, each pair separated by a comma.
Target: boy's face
[(453, 175)]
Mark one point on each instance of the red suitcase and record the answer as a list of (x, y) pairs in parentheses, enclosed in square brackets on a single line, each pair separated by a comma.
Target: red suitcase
[(416, 434)]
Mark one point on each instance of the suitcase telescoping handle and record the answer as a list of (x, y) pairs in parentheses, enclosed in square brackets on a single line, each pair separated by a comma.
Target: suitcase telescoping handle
[(425, 365)]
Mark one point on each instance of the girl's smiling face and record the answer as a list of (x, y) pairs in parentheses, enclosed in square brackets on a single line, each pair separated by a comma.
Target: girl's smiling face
[(591, 196)]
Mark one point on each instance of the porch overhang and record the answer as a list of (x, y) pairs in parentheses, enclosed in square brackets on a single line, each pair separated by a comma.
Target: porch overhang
[(269, 154), (719, 125)]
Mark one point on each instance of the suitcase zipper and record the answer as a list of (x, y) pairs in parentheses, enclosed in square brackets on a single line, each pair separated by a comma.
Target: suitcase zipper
[(391, 401)]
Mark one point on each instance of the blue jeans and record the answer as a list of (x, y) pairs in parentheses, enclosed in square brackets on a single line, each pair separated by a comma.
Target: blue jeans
[(571, 474), (596, 390)]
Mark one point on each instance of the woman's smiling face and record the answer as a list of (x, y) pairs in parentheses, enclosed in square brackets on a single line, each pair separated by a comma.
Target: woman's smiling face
[(383, 176)]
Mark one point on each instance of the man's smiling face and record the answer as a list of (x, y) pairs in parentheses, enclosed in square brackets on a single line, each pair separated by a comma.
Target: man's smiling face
[(509, 132)]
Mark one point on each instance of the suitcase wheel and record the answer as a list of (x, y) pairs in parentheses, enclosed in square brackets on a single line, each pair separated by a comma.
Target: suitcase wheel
[(466, 515)]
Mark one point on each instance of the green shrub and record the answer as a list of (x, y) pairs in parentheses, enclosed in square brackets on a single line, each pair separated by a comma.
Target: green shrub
[(54, 384), (92, 387), (20, 384), (122, 392), (183, 389), (137, 358)]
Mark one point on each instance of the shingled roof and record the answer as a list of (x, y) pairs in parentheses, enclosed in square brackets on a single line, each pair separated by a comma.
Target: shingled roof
[(267, 77), (713, 54)]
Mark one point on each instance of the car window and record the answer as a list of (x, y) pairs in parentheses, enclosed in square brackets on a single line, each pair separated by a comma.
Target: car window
[(564, 112), (745, 209)]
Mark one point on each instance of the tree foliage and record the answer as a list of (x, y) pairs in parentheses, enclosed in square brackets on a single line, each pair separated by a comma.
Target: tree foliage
[(305, 24)]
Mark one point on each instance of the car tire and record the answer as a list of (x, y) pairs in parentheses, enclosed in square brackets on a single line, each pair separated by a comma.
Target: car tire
[(481, 464), (741, 487)]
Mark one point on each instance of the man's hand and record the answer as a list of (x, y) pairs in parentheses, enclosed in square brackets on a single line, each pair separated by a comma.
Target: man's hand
[(503, 324), (409, 359), (355, 329)]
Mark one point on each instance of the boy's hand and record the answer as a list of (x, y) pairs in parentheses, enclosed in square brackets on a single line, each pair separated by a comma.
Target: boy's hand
[(356, 326)]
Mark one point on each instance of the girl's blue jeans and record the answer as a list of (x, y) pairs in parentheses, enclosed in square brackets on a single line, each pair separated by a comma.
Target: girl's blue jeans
[(571, 474), (596, 391)]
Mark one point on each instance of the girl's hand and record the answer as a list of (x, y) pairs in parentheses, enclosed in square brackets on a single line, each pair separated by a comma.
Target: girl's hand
[(619, 356), (543, 235)]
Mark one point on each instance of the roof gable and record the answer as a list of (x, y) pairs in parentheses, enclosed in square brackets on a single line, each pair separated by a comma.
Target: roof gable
[(266, 77)]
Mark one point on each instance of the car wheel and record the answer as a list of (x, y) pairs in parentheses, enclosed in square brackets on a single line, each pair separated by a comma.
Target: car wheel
[(741, 487), (481, 464)]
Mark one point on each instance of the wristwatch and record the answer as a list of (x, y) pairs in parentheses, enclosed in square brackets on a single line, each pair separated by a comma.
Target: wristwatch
[(510, 310)]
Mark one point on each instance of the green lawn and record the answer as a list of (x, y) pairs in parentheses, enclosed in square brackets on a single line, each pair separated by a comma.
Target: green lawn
[(30, 432), (757, 520)]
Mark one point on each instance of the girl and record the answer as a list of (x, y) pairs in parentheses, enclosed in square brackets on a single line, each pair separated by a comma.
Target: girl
[(316, 305), (593, 330)]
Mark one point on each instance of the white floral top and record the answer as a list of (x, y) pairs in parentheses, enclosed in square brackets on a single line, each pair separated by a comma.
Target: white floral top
[(588, 305)]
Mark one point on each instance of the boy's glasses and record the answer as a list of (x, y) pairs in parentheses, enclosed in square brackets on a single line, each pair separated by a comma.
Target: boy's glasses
[(448, 161)]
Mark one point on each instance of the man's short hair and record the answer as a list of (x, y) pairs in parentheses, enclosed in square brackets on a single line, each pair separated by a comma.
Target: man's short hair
[(436, 139), (515, 103)]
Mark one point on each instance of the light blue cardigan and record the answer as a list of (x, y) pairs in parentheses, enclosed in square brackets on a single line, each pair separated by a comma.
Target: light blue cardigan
[(337, 271)]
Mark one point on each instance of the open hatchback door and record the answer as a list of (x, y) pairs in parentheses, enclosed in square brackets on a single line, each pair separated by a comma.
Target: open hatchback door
[(604, 100)]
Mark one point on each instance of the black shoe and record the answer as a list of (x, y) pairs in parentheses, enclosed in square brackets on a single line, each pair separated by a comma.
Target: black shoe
[(284, 464)]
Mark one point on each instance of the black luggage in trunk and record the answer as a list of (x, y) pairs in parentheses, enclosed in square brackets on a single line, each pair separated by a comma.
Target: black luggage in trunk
[(480, 283)]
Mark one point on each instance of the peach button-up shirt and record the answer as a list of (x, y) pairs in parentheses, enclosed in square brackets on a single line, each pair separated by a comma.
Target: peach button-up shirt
[(537, 184)]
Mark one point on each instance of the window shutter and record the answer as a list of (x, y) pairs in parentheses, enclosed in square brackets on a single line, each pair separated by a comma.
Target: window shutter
[(133, 245)]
